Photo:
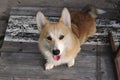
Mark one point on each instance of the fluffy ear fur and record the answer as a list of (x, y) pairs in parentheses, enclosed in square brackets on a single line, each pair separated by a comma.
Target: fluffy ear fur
[(65, 17), (41, 20)]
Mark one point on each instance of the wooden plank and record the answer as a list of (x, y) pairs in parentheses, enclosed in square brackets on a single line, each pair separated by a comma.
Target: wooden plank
[(2, 31), (117, 65), (24, 59), (31, 11), (98, 63), (65, 3), (19, 47), (29, 47), (55, 11), (85, 68), (117, 62), (2, 27), (28, 66), (107, 68), (29, 56), (24, 29), (25, 78), (6, 78)]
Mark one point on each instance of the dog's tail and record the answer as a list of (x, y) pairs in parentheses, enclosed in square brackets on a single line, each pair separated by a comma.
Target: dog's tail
[(93, 10)]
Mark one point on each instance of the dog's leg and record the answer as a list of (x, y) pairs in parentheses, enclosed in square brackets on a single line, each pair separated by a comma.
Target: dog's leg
[(48, 66), (71, 63)]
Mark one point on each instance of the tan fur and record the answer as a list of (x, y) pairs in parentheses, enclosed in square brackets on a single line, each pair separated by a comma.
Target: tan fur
[(72, 49), (83, 25), (76, 30)]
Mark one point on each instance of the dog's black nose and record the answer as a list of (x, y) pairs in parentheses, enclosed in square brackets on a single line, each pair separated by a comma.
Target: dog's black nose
[(56, 52)]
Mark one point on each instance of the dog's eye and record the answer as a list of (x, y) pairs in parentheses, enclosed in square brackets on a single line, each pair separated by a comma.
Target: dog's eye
[(49, 38), (61, 37)]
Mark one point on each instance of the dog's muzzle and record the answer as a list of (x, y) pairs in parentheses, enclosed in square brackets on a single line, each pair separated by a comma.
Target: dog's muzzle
[(56, 54)]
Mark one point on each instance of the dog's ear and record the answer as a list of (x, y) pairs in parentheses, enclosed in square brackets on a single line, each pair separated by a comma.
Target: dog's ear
[(65, 17), (41, 20)]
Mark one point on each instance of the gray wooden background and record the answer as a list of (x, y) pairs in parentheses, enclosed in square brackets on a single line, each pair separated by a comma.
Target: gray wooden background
[(21, 60)]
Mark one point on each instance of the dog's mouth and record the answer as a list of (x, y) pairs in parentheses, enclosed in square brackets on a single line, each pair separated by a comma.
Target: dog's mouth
[(56, 57)]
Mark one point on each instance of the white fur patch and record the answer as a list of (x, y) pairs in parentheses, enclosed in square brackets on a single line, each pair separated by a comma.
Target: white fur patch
[(62, 45), (100, 11)]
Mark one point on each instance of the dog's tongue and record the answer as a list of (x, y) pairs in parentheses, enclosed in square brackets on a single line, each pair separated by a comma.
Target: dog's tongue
[(56, 57)]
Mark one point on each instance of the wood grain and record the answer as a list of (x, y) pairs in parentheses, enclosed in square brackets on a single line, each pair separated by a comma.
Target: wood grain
[(30, 65)]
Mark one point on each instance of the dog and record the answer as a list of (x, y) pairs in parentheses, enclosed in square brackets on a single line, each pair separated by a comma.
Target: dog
[(60, 42)]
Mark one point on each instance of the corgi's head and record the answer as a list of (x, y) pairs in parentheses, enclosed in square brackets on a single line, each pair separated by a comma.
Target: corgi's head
[(54, 37)]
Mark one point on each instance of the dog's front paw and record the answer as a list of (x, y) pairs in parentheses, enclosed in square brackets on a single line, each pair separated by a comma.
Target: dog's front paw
[(71, 63), (48, 66)]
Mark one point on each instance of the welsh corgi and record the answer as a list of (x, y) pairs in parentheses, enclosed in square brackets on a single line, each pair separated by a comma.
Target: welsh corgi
[(60, 42)]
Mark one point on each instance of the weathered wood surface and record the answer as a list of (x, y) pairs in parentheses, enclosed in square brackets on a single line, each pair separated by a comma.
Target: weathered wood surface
[(2, 31), (31, 66), (93, 62), (107, 69), (33, 47), (23, 29), (118, 62), (56, 11)]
